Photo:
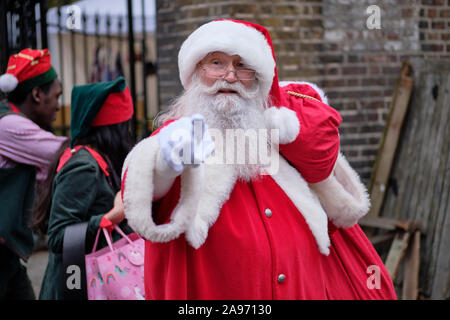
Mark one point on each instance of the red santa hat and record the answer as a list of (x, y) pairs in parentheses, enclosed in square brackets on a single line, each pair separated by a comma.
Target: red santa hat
[(27, 69)]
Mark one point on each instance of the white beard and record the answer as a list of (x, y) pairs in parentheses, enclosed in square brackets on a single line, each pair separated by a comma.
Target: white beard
[(223, 112)]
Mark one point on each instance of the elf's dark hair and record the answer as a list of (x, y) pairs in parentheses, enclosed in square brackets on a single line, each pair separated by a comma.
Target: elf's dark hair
[(112, 142)]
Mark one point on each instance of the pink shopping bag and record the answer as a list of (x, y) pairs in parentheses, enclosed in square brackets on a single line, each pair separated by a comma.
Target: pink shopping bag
[(116, 272)]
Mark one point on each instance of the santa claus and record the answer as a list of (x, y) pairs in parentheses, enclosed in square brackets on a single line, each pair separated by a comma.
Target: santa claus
[(227, 229)]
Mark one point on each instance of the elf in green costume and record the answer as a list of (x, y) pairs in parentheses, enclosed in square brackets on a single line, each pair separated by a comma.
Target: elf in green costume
[(87, 181)]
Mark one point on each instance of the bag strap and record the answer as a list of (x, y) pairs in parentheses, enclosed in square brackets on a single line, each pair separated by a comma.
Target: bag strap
[(116, 227), (108, 238), (96, 240), (73, 255)]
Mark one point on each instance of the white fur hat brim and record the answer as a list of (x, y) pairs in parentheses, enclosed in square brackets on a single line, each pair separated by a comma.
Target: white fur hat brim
[(232, 38)]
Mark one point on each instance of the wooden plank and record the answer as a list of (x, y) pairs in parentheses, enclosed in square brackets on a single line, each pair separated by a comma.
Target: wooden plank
[(418, 123), (395, 204), (410, 290), (430, 205), (438, 275), (386, 153), (396, 253), (440, 289), (381, 238), (437, 144), (376, 222), (389, 223), (425, 144), (436, 197)]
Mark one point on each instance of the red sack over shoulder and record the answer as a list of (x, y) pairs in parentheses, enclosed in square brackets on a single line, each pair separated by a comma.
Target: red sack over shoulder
[(314, 151)]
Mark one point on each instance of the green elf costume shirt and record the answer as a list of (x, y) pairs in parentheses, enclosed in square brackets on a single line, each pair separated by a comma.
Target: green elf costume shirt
[(81, 188), (16, 200)]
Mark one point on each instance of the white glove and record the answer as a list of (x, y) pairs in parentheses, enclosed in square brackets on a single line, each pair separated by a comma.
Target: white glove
[(186, 142)]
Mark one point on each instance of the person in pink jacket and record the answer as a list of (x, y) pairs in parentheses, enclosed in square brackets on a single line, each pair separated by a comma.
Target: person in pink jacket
[(242, 192)]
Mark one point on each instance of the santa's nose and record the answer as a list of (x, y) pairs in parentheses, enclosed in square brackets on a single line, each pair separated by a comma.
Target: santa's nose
[(230, 75)]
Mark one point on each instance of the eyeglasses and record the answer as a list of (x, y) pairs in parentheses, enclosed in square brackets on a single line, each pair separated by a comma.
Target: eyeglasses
[(218, 70)]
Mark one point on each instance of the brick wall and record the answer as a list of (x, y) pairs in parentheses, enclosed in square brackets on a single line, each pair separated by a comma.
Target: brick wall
[(326, 42)]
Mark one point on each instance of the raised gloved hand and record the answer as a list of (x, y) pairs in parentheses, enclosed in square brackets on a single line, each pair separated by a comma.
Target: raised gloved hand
[(186, 142)]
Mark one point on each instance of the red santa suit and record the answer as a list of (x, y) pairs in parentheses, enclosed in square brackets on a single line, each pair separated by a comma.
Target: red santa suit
[(290, 234)]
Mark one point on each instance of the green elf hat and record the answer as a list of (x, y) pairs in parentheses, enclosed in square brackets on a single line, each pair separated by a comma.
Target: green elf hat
[(26, 70), (99, 104)]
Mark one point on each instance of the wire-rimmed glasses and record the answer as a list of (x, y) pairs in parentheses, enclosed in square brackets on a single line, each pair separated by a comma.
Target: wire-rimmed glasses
[(218, 70)]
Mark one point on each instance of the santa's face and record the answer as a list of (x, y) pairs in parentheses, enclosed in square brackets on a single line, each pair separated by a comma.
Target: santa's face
[(219, 66), (225, 91), (231, 106)]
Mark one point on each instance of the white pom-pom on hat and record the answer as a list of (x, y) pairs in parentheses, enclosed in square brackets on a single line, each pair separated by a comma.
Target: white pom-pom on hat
[(285, 120), (8, 82)]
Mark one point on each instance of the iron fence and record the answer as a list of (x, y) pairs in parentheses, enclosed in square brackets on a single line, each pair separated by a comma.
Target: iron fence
[(88, 47)]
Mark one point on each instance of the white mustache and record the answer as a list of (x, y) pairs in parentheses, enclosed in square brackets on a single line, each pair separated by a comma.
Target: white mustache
[(246, 93)]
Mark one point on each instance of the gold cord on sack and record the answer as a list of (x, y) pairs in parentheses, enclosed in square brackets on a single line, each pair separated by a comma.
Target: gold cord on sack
[(301, 95)]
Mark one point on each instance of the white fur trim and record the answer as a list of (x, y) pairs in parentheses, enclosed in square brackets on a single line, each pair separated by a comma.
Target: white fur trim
[(219, 182), (285, 120), (312, 85), (138, 194), (296, 188), (232, 38), (8, 82), (342, 195)]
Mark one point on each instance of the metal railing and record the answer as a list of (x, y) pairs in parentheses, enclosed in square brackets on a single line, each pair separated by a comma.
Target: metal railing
[(88, 48)]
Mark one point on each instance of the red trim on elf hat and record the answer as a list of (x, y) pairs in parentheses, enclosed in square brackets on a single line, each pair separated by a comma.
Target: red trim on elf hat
[(117, 108)]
